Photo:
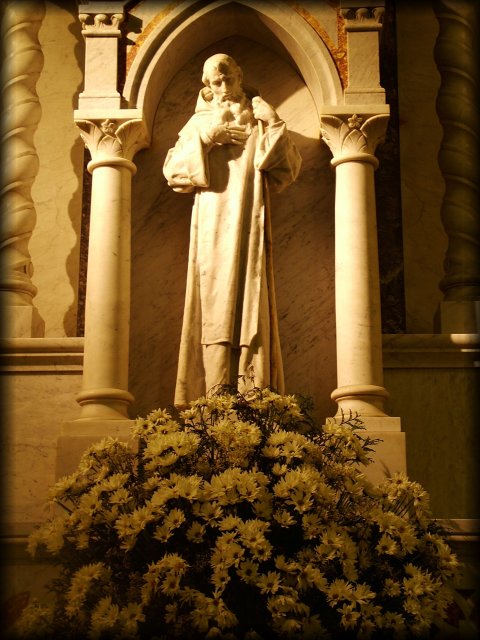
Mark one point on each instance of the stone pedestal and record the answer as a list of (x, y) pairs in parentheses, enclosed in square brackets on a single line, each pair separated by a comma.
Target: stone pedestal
[(76, 436), (100, 28), (390, 454)]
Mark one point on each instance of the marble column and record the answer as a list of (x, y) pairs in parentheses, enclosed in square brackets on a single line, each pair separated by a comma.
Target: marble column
[(353, 138), (22, 65), (113, 135), (457, 107), (112, 144)]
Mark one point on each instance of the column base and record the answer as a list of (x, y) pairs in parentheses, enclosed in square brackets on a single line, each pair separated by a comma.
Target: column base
[(106, 403), (22, 321), (76, 436), (459, 316), (364, 400)]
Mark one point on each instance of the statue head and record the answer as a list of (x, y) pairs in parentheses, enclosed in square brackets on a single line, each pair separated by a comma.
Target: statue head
[(224, 77)]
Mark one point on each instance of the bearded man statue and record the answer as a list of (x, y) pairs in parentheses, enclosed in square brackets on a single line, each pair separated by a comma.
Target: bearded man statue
[(230, 153)]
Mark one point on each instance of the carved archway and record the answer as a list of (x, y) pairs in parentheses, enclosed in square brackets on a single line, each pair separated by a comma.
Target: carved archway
[(302, 224), (189, 29)]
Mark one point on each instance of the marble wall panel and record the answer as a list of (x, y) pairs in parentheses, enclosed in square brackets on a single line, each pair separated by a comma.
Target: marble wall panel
[(57, 190), (303, 231), (35, 406), (439, 409)]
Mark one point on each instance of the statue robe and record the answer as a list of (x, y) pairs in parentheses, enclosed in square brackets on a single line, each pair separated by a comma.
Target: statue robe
[(227, 298)]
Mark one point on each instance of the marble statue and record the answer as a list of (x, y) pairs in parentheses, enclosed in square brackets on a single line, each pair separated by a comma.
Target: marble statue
[(231, 151)]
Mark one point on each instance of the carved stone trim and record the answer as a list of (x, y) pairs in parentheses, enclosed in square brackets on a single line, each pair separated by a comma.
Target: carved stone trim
[(110, 140), (360, 17), (101, 18), (101, 24), (457, 108), (22, 66), (353, 136)]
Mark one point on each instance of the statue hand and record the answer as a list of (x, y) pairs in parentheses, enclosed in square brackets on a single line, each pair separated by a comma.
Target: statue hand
[(228, 134), (263, 111)]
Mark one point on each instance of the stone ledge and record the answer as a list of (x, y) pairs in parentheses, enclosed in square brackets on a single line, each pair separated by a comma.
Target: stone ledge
[(424, 350), (41, 354), (400, 351)]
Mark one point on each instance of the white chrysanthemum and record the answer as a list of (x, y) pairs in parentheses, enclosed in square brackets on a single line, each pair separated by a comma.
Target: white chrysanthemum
[(104, 617), (196, 532), (269, 582), (80, 584)]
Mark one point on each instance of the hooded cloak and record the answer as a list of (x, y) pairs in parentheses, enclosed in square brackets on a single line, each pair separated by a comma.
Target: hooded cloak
[(227, 298)]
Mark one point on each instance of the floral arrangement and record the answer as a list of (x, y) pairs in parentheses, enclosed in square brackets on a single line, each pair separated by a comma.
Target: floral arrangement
[(240, 518)]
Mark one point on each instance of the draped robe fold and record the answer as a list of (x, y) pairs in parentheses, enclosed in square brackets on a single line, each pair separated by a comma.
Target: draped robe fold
[(227, 299)]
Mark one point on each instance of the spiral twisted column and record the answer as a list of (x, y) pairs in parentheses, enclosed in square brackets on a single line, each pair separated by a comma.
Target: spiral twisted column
[(22, 65), (457, 108), (353, 139), (112, 144)]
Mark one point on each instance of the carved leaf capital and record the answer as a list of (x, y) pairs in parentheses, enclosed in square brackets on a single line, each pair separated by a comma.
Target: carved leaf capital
[(354, 134), (111, 139)]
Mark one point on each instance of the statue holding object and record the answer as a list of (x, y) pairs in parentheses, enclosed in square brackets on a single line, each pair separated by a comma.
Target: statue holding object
[(230, 153)]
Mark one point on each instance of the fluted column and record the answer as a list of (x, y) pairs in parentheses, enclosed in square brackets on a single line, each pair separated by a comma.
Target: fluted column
[(112, 144), (352, 139), (457, 108), (22, 64)]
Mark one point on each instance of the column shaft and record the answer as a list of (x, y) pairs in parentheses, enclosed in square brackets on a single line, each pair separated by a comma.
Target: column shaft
[(22, 65), (457, 107), (357, 291), (353, 139), (107, 312)]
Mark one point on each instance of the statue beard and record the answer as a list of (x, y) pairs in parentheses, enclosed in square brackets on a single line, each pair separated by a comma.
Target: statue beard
[(229, 100), (238, 110)]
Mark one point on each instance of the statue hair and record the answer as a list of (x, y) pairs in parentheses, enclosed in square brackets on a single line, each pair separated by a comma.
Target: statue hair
[(219, 62)]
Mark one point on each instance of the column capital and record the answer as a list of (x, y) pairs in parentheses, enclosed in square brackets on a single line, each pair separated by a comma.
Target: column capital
[(100, 19), (113, 140), (362, 15), (353, 136)]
